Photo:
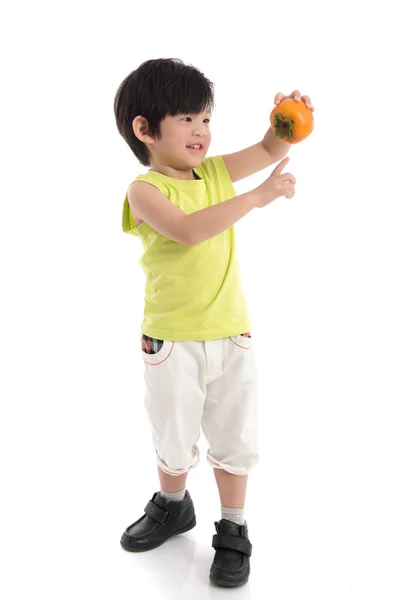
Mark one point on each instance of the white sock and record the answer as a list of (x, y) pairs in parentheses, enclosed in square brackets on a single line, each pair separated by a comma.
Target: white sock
[(233, 514), (175, 496)]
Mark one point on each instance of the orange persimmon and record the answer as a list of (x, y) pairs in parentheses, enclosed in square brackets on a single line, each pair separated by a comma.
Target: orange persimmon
[(292, 121)]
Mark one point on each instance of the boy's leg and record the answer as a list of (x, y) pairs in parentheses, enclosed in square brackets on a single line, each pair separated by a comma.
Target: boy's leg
[(175, 396), (230, 426), (229, 418), (171, 483), (232, 488)]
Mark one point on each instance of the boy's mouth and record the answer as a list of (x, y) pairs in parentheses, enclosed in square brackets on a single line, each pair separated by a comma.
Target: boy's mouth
[(195, 147)]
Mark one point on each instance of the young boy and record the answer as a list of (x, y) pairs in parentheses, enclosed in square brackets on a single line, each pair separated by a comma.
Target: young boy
[(198, 354)]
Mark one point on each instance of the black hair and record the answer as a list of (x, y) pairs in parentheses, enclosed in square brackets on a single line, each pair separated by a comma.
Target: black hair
[(157, 88)]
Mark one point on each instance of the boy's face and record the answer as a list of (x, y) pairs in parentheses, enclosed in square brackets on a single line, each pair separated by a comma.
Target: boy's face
[(179, 132)]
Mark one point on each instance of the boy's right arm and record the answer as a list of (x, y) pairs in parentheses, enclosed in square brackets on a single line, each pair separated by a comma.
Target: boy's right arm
[(150, 205)]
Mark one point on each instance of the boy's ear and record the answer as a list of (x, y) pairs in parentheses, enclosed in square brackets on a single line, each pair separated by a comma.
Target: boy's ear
[(140, 128)]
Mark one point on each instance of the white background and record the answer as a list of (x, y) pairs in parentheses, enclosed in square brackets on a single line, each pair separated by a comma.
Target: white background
[(320, 272)]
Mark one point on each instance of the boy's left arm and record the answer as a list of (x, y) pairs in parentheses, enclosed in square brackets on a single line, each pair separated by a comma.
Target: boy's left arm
[(260, 156)]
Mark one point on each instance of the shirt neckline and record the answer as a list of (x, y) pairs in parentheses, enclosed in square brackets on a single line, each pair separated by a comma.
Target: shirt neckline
[(181, 181)]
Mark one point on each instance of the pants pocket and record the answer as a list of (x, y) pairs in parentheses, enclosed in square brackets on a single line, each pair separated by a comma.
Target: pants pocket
[(154, 351), (243, 340)]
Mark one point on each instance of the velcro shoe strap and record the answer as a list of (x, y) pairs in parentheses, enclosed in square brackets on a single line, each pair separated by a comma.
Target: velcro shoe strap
[(156, 513), (232, 542)]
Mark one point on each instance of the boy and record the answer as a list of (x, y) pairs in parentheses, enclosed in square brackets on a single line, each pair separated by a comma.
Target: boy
[(198, 355)]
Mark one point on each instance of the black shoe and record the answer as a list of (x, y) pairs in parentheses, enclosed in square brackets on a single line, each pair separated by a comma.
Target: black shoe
[(231, 564), (161, 520)]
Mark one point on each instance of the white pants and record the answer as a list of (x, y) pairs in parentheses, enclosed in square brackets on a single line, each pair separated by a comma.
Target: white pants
[(208, 384)]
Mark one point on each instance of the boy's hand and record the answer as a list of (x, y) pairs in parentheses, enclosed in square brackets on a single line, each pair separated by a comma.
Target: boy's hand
[(278, 184), (297, 97)]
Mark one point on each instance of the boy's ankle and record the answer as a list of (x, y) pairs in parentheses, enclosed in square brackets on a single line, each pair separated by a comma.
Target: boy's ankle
[(174, 496)]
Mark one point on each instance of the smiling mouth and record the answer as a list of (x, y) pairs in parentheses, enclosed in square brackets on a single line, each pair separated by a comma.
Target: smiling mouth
[(195, 147)]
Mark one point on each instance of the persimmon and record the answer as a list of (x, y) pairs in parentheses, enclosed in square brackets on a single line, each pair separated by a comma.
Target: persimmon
[(292, 121)]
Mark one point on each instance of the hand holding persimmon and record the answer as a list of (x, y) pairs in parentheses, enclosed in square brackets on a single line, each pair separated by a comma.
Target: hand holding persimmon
[(292, 121)]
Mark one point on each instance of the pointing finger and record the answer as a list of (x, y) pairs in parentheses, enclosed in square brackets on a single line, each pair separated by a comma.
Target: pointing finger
[(279, 168)]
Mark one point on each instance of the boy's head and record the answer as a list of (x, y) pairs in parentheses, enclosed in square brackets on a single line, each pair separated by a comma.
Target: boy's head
[(161, 108)]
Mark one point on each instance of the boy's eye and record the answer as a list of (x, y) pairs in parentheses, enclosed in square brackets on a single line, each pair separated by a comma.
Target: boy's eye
[(208, 120)]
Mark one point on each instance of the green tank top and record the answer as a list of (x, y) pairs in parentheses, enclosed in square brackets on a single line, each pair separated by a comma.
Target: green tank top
[(191, 292)]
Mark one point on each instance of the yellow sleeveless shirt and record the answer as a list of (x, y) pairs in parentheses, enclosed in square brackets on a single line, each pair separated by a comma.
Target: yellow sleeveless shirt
[(191, 292)]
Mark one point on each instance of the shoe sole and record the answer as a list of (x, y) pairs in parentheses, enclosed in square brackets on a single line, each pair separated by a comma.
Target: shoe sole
[(183, 530), (228, 584)]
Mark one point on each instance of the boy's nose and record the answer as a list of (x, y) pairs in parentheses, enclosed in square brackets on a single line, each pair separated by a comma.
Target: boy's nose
[(201, 132)]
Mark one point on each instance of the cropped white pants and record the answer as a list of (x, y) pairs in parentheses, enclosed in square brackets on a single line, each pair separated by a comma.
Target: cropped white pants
[(203, 384)]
